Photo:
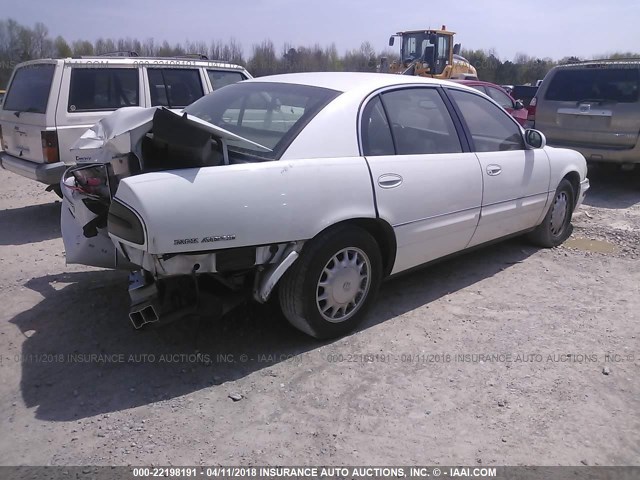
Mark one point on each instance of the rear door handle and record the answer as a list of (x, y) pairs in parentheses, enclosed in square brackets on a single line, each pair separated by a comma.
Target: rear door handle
[(494, 170), (389, 180)]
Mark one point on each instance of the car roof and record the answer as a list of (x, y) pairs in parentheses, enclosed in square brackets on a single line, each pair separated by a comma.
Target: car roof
[(346, 81)]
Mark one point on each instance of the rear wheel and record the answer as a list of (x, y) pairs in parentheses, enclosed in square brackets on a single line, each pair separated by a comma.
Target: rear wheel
[(328, 290), (556, 226)]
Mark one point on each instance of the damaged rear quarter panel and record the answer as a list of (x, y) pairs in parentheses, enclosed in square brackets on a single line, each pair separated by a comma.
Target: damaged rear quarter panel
[(247, 204)]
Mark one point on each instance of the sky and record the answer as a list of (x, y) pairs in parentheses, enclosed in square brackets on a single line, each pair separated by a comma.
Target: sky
[(542, 28)]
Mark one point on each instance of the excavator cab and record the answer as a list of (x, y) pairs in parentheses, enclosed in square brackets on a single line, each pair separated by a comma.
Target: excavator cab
[(429, 53)]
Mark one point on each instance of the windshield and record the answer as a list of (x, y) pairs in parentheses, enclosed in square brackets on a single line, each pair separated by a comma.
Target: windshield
[(269, 114), (413, 45), (29, 89), (594, 84)]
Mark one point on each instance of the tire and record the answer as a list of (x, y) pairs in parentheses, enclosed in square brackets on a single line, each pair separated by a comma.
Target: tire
[(556, 226), (322, 308)]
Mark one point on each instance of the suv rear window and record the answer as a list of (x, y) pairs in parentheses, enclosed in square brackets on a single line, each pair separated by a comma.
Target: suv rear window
[(96, 89), (174, 87), (29, 89), (594, 84)]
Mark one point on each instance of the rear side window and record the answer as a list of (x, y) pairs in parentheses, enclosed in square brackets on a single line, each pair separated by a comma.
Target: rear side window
[(376, 134), (29, 89), (594, 84), (220, 78), (492, 129), (98, 89), (174, 87), (420, 122)]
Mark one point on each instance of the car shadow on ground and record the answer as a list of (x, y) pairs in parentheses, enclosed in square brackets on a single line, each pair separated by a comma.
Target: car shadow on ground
[(84, 314), (34, 223), (611, 187)]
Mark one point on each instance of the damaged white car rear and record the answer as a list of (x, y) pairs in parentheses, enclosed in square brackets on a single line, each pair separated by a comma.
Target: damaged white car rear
[(320, 184)]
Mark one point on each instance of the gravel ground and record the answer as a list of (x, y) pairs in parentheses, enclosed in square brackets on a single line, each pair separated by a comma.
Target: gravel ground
[(558, 383)]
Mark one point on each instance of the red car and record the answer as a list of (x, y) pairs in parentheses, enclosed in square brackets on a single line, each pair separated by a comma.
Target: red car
[(500, 95)]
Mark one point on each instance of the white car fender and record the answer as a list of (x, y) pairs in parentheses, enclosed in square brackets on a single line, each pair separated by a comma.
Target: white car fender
[(251, 204), (563, 161)]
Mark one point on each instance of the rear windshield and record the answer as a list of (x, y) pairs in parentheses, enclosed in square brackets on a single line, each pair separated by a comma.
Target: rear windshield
[(97, 89), (270, 114), (29, 89), (594, 84)]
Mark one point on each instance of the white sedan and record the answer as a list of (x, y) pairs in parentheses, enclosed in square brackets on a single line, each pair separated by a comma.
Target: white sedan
[(321, 184)]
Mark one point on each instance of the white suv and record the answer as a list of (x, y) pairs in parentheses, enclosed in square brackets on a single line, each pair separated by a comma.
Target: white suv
[(51, 102)]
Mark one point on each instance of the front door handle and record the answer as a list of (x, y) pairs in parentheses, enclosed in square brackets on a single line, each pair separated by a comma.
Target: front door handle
[(494, 170), (389, 180)]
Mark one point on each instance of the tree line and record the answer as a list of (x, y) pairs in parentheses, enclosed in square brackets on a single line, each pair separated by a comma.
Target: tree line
[(19, 43)]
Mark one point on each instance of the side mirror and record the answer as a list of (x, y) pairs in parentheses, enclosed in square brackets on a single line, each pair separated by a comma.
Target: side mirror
[(519, 105), (534, 138), (392, 39), (456, 48)]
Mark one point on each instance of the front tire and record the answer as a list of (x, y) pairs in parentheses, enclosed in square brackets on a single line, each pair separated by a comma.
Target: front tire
[(556, 226), (328, 290)]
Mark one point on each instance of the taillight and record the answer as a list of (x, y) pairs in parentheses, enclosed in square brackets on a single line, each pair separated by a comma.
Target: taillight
[(531, 110), (50, 147)]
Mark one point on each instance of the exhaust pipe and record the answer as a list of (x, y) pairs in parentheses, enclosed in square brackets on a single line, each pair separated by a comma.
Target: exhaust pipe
[(166, 300), (142, 314)]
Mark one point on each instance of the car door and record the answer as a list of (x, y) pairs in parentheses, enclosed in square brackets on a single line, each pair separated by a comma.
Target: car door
[(515, 179), (426, 185)]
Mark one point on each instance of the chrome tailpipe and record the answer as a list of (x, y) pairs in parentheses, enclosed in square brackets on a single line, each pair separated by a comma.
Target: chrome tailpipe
[(142, 314), (143, 292), (163, 301)]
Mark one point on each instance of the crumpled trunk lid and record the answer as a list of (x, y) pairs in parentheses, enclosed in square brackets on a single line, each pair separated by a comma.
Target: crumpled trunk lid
[(131, 141)]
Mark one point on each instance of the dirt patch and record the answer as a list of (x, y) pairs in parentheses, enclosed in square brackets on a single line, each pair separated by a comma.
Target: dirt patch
[(495, 357)]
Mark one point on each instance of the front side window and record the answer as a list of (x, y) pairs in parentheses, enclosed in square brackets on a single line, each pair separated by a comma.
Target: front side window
[(267, 113), (95, 89), (414, 45), (174, 87), (491, 128), (220, 78), (29, 89), (501, 98), (480, 88), (420, 122)]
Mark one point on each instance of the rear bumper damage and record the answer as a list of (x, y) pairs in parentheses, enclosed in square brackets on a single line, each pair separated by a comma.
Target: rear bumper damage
[(101, 229), (47, 173)]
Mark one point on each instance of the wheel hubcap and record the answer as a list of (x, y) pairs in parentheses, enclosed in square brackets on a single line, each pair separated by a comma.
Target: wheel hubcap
[(559, 213), (343, 284)]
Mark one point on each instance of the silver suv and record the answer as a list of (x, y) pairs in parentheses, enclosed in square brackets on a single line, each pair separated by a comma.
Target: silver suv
[(51, 102), (592, 107)]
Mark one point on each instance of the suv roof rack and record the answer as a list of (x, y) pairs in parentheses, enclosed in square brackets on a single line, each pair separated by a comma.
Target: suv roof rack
[(604, 60), (199, 56), (120, 53)]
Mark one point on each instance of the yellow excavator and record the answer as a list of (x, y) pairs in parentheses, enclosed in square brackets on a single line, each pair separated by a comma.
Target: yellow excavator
[(429, 53)]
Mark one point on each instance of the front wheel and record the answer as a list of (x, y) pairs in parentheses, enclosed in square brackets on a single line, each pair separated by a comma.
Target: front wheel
[(328, 290), (556, 226)]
